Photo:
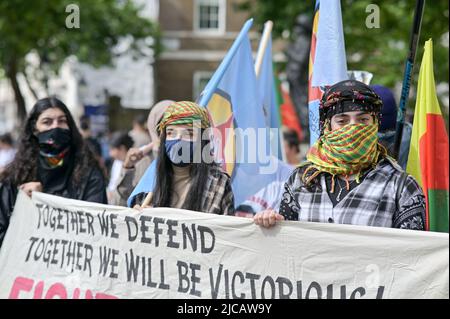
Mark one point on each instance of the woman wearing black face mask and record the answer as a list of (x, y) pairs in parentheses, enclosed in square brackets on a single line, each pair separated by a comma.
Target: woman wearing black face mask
[(51, 158), (187, 177)]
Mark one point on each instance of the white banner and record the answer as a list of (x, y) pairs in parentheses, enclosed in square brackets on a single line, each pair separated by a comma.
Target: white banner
[(61, 248)]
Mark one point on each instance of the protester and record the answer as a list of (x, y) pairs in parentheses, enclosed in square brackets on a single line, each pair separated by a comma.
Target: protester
[(387, 129), (348, 177), (7, 150), (119, 145), (139, 159), (186, 175), (139, 132), (51, 158)]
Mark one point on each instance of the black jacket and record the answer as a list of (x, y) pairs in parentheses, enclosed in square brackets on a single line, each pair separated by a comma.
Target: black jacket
[(92, 189)]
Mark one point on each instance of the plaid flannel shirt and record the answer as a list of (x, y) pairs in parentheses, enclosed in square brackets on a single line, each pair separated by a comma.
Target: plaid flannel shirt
[(371, 203), (218, 197)]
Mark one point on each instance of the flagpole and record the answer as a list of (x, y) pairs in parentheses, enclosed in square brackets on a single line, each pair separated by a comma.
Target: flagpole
[(224, 65), (409, 66), (266, 36), (262, 46)]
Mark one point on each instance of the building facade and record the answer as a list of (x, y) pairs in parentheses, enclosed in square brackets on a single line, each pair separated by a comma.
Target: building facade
[(196, 36)]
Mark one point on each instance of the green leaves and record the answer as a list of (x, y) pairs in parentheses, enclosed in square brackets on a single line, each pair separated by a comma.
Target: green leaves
[(41, 26), (381, 51)]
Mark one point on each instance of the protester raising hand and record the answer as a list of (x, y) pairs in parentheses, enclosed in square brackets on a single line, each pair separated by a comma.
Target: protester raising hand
[(181, 180), (134, 155)]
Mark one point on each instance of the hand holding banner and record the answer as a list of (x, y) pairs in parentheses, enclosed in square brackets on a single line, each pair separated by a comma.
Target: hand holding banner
[(61, 248)]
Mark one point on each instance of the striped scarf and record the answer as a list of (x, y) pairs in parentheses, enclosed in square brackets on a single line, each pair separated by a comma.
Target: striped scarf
[(185, 113), (55, 160), (346, 151)]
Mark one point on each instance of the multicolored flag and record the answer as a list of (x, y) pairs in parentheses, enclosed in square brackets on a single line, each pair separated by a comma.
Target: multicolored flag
[(233, 101), (428, 159), (327, 61), (222, 105), (240, 134)]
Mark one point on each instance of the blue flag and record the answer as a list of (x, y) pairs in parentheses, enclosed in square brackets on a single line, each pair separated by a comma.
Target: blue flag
[(237, 113), (148, 180), (146, 184), (328, 64), (234, 105), (267, 94)]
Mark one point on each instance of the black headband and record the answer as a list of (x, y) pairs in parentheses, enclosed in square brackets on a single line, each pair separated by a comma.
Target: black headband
[(347, 96)]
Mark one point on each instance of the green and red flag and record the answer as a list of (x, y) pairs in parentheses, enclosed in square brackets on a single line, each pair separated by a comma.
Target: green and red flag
[(428, 159)]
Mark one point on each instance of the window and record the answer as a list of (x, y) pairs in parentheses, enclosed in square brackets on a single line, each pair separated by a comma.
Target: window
[(201, 78), (209, 16)]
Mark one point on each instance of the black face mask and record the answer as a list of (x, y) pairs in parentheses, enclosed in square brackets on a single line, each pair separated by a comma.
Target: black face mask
[(55, 142), (55, 161)]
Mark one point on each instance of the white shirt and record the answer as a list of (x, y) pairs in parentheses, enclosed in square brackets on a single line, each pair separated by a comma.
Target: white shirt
[(115, 174), (7, 156)]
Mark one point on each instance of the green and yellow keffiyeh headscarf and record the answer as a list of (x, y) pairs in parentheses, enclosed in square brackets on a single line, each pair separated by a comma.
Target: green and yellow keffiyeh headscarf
[(185, 113), (345, 151)]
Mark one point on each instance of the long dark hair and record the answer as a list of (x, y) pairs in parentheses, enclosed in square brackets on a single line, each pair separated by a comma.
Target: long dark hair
[(199, 173), (24, 167)]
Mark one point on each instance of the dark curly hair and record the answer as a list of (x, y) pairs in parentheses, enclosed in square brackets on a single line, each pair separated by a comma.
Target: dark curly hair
[(23, 169)]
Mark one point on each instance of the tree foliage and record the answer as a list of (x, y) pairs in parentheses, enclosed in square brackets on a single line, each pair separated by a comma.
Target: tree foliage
[(381, 51), (40, 26)]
